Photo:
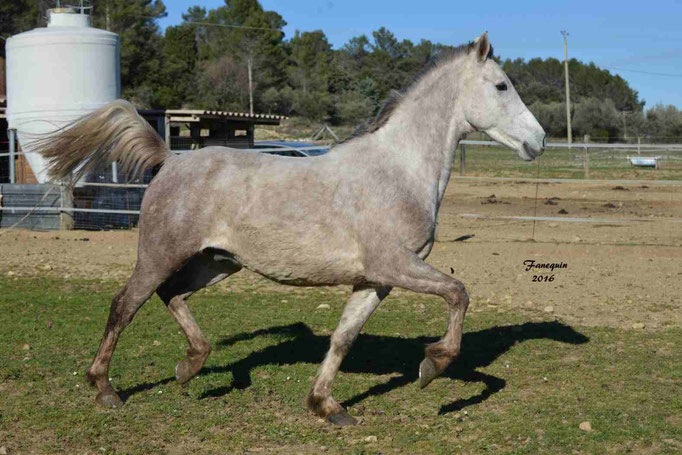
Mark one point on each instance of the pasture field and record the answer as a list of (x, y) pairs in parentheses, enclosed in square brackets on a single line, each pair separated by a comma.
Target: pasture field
[(522, 385), (600, 343), (568, 164)]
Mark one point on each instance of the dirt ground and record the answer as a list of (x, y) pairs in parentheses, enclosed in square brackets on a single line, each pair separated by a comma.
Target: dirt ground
[(620, 272)]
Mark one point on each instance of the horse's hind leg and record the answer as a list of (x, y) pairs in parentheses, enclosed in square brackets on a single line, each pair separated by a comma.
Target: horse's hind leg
[(201, 271), (199, 347), (136, 292), (361, 304)]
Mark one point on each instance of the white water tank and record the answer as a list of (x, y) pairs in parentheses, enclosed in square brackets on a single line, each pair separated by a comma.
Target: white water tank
[(56, 74)]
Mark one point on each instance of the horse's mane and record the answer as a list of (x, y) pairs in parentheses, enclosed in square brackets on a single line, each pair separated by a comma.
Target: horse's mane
[(394, 97)]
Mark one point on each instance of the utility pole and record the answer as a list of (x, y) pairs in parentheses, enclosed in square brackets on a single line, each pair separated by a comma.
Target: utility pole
[(625, 127), (568, 90), (249, 62)]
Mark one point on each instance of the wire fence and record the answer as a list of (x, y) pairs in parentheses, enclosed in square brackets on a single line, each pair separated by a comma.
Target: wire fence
[(578, 161), (108, 199)]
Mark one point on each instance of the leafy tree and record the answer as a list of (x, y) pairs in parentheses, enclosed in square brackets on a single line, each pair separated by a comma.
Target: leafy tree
[(368, 88), (353, 106), (280, 101), (374, 68), (312, 105), (544, 81), (552, 117), (18, 16), (309, 71), (385, 42), (251, 37), (223, 84), (596, 117), (179, 65), (664, 123), (141, 43), (310, 61)]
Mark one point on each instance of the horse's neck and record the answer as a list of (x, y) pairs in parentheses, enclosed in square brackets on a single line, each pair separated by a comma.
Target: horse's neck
[(421, 136)]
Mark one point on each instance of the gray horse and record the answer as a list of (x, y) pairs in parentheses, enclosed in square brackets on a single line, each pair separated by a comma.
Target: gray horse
[(364, 214)]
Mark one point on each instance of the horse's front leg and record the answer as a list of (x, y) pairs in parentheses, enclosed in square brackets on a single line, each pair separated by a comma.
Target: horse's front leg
[(441, 353), (409, 271), (361, 304)]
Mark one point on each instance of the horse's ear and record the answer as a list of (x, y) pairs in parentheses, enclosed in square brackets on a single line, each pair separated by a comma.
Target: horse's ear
[(482, 46)]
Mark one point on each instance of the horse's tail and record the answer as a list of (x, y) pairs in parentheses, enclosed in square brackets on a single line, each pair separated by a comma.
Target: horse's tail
[(115, 132)]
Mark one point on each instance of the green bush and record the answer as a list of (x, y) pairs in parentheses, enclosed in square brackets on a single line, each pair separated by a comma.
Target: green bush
[(312, 105), (597, 117), (353, 107)]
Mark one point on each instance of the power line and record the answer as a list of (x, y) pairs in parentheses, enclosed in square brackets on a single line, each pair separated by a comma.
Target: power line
[(642, 72), (211, 24), (233, 26)]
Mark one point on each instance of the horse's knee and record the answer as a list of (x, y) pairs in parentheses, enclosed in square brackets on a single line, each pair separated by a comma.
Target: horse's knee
[(457, 295)]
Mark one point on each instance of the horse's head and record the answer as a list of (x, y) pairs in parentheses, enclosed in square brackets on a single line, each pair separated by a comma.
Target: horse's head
[(493, 106)]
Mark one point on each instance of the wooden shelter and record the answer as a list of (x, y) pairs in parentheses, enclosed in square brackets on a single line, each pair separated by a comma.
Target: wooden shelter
[(187, 129)]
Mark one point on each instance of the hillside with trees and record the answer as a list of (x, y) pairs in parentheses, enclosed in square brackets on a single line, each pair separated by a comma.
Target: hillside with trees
[(205, 62)]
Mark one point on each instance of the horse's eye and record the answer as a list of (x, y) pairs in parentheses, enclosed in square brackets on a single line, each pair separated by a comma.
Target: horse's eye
[(502, 86)]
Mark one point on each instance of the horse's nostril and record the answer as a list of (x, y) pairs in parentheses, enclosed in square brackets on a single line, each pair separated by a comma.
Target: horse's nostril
[(544, 141)]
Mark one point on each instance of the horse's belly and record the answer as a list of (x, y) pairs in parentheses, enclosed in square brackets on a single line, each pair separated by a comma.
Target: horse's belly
[(324, 275), (305, 269), (303, 260)]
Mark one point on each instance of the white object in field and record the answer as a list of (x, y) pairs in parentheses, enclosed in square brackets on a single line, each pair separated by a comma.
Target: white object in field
[(644, 161), (56, 74)]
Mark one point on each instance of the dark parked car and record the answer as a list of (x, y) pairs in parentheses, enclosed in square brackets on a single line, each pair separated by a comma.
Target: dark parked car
[(290, 148)]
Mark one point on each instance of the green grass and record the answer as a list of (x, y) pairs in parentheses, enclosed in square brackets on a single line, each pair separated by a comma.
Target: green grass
[(562, 163), (519, 387)]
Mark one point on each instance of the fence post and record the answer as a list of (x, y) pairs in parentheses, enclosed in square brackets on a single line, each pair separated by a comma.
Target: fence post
[(166, 130), (586, 157), (12, 156), (66, 222), (639, 145), (462, 159), (114, 172)]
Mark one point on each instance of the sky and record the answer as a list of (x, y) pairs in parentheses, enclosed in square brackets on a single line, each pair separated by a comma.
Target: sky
[(640, 41)]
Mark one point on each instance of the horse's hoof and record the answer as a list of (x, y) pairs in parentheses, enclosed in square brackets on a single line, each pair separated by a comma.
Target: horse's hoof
[(427, 372), (184, 371), (342, 419), (109, 399)]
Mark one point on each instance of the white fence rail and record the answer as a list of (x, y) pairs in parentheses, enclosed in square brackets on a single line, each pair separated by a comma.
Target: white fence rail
[(588, 145)]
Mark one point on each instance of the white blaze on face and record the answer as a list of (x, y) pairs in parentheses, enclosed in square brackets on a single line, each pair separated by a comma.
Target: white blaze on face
[(494, 106)]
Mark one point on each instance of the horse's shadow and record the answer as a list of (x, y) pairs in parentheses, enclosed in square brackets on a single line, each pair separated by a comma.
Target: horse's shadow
[(384, 355)]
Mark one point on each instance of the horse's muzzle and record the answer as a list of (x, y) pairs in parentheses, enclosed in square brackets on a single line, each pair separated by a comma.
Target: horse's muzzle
[(533, 152)]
